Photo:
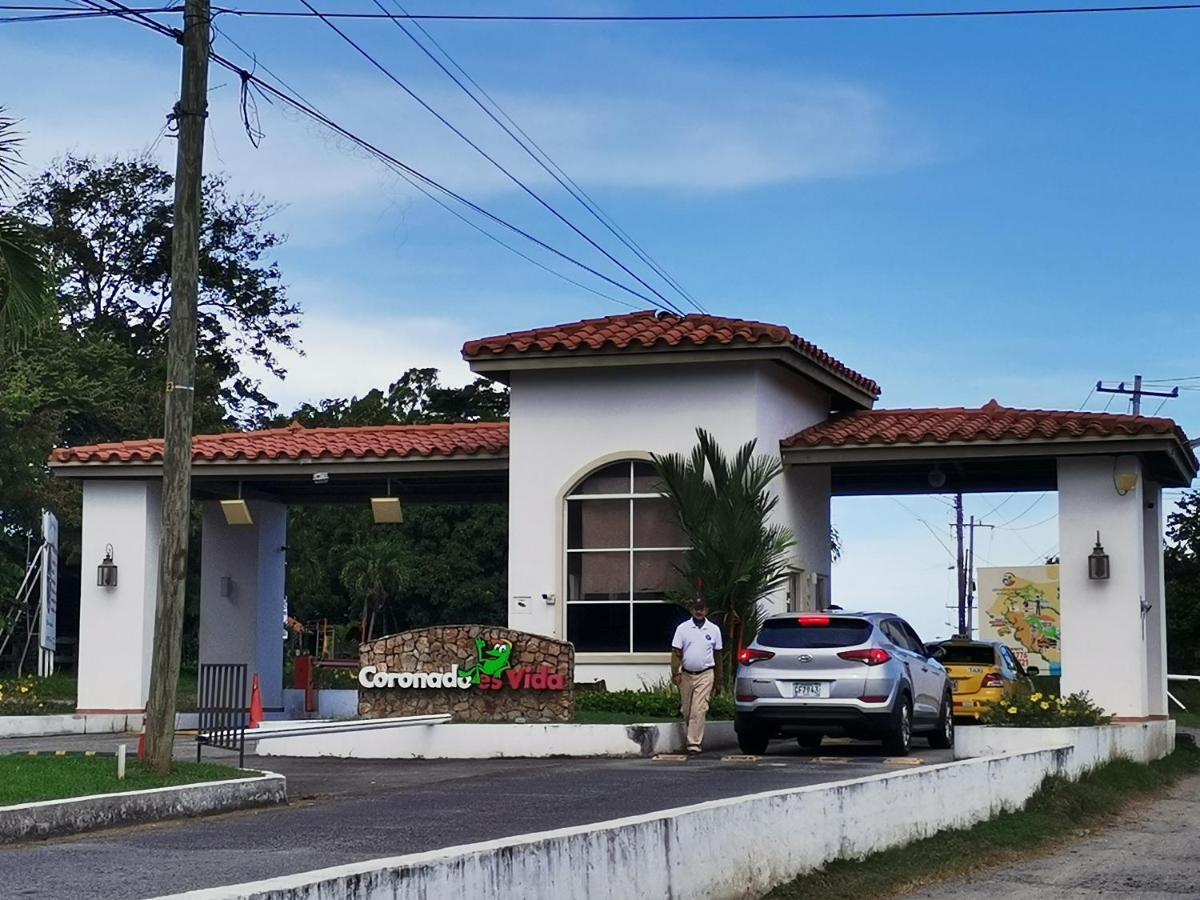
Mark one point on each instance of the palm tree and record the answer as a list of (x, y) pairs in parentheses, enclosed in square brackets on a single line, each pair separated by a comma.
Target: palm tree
[(737, 556), (25, 298), (377, 570)]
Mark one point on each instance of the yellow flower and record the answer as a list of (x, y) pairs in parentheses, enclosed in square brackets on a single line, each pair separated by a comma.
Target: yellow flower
[(1036, 697), (24, 689), (1012, 710), (1045, 706)]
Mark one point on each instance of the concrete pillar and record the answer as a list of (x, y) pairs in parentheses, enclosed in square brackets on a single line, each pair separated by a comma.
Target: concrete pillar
[(246, 624), (1104, 647), (1155, 596), (116, 624)]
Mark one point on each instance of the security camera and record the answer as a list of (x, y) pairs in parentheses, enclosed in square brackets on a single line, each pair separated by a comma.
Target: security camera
[(320, 478)]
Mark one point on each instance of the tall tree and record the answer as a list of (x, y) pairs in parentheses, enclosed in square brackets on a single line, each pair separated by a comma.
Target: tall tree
[(106, 229), (737, 556)]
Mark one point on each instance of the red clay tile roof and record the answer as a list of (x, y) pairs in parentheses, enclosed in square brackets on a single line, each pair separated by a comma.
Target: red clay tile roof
[(991, 422), (650, 330), (297, 442)]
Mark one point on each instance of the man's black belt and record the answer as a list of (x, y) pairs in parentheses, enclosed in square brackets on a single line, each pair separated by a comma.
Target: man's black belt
[(701, 672)]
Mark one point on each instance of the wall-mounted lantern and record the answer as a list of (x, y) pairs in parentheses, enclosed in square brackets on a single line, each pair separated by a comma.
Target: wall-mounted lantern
[(1125, 474), (1098, 562), (106, 572)]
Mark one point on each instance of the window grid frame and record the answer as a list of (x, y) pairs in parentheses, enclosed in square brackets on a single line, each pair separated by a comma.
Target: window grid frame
[(630, 499)]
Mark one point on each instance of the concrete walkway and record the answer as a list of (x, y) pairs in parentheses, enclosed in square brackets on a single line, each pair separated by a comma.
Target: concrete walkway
[(1151, 855)]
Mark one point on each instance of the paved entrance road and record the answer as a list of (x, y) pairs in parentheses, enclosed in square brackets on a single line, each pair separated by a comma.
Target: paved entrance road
[(343, 811)]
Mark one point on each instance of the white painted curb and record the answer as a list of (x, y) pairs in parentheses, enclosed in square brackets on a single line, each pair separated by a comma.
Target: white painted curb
[(48, 818)]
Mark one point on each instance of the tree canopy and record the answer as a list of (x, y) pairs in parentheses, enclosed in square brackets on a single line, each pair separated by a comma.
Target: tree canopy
[(1182, 576)]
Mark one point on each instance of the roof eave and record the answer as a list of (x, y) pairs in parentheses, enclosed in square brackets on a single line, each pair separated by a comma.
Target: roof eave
[(224, 468), (1180, 462), (851, 396)]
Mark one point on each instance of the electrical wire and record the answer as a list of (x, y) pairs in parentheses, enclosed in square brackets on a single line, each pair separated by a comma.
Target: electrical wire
[(601, 19), (528, 144), (391, 76), (134, 16), (1036, 500), (434, 197)]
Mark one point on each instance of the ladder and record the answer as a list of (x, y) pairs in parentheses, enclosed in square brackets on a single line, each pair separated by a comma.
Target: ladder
[(18, 619)]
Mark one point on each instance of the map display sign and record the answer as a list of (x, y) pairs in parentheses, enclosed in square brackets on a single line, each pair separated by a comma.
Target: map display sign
[(1019, 607)]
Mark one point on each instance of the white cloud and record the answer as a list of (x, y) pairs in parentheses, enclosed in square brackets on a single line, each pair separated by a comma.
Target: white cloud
[(348, 356), (701, 128)]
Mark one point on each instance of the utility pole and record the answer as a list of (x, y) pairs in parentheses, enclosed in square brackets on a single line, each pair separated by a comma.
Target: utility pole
[(971, 574), (1137, 392), (959, 566), (190, 113)]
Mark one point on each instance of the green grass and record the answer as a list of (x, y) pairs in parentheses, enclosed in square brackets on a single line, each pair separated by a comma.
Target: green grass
[(1058, 810), (25, 779)]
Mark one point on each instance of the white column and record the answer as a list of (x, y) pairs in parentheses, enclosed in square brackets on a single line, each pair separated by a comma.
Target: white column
[(116, 624), (1104, 649), (1155, 595), (246, 626)]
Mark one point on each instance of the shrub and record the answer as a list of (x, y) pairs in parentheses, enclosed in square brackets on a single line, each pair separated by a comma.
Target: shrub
[(1038, 710), (656, 702)]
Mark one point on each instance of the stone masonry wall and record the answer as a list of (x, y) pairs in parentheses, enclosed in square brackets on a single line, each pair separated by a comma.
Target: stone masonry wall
[(492, 700)]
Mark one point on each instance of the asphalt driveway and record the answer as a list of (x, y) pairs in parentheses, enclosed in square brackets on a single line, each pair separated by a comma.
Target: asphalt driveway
[(343, 811)]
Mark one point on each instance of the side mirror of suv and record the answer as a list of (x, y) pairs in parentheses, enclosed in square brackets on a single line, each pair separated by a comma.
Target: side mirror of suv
[(1033, 671)]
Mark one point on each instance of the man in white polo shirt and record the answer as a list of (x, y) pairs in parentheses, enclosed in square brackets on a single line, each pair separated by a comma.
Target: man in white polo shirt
[(693, 661)]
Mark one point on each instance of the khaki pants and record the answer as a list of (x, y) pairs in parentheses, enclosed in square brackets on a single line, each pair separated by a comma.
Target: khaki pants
[(694, 691)]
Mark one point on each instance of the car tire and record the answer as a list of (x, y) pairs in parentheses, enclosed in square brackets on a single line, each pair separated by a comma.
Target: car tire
[(898, 739), (943, 738), (753, 742), (810, 741)]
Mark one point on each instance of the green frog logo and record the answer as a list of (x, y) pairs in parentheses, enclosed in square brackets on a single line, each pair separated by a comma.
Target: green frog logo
[(492, 660)]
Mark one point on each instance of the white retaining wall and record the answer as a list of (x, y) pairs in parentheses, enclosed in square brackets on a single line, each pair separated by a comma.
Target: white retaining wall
[(729, 849), (1140, 742), (43, 726), (500, 741)]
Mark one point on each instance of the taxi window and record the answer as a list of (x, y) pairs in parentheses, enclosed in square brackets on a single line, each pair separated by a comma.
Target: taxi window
[(966, 654)]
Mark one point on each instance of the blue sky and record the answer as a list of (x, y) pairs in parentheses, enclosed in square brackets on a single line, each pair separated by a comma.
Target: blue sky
[(961, 209)]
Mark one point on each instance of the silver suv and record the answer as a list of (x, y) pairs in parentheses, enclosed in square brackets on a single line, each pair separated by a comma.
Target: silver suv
[(865, 675)]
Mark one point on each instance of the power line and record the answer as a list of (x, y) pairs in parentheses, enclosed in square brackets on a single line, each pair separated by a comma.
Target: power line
[(601, 19), (1036, 500), (434, 197), (391, 76), (528, 144), (135, 17)]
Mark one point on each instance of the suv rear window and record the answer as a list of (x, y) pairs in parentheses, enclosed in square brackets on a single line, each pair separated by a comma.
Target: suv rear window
[(794, 633), (965, 653)]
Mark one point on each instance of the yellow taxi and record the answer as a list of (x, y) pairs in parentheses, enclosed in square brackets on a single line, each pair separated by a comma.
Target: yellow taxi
[(981, 672)]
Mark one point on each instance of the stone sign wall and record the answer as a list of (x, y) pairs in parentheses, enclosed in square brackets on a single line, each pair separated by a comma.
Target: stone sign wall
[(477, 673)]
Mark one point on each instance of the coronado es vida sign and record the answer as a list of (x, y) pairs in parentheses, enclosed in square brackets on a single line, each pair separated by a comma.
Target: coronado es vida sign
[(493, 670)]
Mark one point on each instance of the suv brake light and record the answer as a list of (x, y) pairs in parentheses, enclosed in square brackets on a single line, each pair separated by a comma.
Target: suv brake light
[(875, 656), (992, 680), (747, 655), (813, 621)]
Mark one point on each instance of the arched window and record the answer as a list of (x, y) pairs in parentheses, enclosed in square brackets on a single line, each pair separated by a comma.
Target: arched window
[(622, 546)]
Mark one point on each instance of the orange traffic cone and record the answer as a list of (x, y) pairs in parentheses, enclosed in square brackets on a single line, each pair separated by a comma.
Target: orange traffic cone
[(256, 707)]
